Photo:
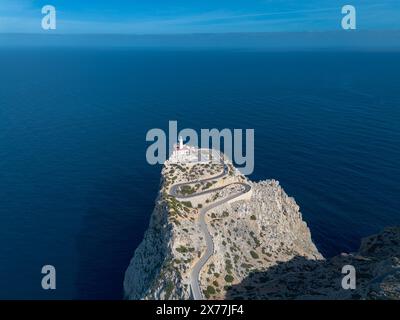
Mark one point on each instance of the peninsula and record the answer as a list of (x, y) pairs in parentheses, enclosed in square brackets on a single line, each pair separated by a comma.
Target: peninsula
[(214, 234)]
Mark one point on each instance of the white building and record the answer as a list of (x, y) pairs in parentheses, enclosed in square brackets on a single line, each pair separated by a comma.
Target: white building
[(188, 154), (182, 153)]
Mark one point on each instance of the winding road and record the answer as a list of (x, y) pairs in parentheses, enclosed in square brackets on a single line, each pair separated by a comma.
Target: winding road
[(195, 273)]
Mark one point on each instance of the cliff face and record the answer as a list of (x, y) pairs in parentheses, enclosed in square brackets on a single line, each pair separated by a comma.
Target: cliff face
[(248, 235), (262, 249), (151, 273), (376, 265)]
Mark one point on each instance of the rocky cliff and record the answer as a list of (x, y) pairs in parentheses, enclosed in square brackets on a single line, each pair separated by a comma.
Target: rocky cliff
[(376, 265), (262, 248)]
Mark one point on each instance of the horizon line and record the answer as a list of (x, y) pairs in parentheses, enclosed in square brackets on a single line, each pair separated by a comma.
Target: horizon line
[(347, 32)]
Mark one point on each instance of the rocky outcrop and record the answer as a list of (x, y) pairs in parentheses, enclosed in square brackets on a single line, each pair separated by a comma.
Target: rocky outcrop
[(150, 274), (262, 247), (248, 235), (254, 235), (376, 268)]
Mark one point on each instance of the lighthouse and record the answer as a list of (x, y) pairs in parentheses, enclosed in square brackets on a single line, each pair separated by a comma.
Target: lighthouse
[(180, 143), (183, 153)]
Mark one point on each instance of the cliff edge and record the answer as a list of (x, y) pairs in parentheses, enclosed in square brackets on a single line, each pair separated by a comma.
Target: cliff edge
[(251, 225), (214, 234)]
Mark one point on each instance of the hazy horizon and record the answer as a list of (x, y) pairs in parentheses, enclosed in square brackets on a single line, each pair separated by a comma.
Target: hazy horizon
[(376, 40)]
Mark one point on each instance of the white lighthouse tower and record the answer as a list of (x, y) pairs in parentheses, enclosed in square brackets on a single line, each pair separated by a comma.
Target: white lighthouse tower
[(183, 153), (180, 143)]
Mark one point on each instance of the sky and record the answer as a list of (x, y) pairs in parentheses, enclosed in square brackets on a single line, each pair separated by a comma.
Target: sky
[(195, 16)]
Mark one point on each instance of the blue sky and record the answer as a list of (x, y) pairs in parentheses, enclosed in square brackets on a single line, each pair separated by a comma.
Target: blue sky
[(200, 16)]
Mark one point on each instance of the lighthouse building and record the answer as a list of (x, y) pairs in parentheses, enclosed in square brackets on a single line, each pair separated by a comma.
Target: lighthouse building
[(181, 152), (189, 154)]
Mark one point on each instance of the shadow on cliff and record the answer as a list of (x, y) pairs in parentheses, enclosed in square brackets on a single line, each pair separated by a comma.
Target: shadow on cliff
[(112, 228), (375, 263), (294, 279)]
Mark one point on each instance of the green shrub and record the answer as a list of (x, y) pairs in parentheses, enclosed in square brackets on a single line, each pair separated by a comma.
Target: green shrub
[(254, 255), (229, 278), (185, 190), (210, 290), (182, 249), (168, 289), (187, 204)]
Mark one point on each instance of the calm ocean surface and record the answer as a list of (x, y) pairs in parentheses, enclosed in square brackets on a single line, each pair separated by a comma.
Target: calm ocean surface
[(76, 191)]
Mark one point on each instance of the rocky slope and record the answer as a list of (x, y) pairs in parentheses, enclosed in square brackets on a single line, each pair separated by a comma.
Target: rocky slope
[(262, 247), (248, 235), (376, 265)]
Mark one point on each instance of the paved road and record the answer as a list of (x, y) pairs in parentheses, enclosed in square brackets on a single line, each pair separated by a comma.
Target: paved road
[(195, 274), (175, 187)]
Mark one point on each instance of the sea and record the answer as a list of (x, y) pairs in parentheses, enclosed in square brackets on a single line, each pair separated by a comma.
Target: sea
[(76, 191)]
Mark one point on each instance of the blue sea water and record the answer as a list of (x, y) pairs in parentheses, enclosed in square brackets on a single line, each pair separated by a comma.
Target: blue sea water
[(76, 191)]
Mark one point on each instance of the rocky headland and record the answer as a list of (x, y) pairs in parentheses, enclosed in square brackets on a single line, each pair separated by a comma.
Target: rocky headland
[(214, 234)]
